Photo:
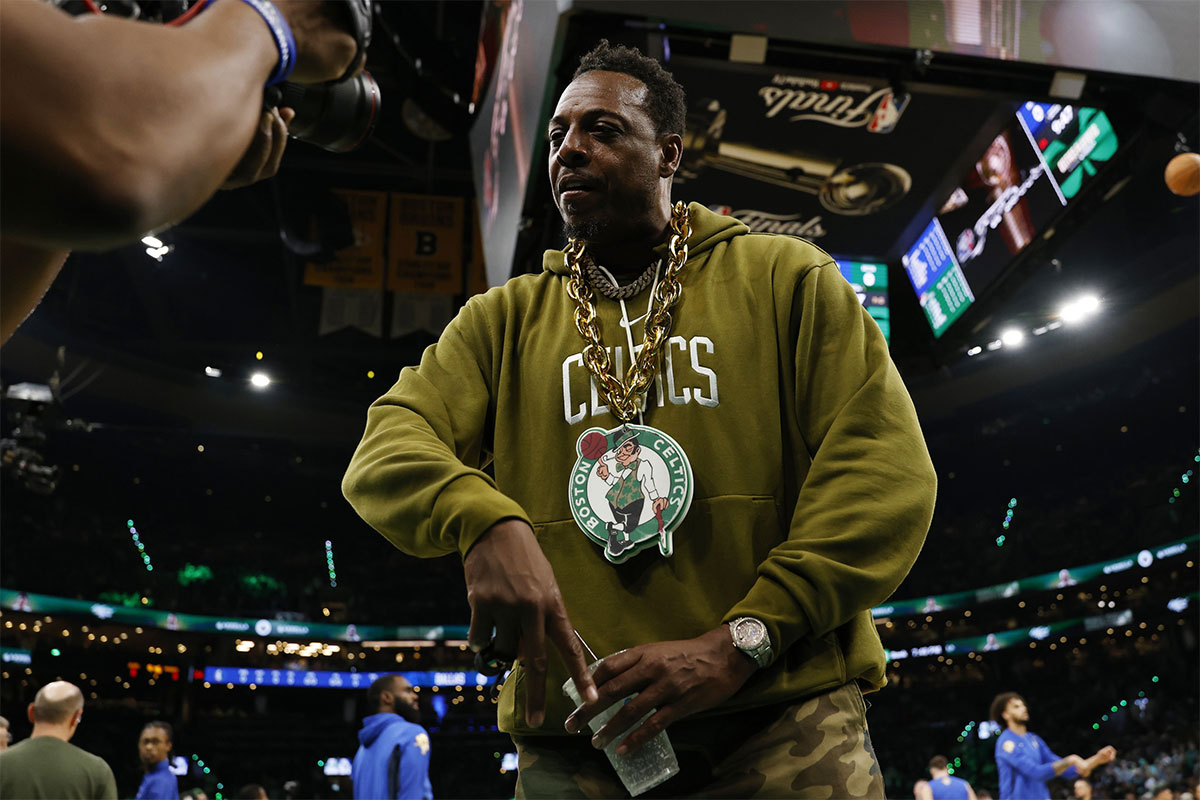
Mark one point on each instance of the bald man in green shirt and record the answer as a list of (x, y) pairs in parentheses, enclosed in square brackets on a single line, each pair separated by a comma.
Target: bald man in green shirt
[(47, 765)]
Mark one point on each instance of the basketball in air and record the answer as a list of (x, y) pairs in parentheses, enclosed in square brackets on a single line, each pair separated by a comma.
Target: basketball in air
[(1183, 174), (593, 445)]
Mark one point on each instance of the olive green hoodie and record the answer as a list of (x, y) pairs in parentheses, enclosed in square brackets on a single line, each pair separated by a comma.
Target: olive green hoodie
[(813, 486)]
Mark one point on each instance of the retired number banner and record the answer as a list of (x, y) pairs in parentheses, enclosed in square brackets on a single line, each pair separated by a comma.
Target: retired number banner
[(426, 245), (359, 266)]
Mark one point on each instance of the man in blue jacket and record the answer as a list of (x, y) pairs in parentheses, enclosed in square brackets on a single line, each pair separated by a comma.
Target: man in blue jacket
[(1024, 761), (392, 761), (154, 748)]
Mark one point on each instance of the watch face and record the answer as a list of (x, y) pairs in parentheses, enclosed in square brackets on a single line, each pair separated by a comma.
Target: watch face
[(750, 633)]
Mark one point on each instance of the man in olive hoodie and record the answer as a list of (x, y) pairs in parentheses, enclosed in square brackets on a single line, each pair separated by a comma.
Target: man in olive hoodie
[(798, 482)]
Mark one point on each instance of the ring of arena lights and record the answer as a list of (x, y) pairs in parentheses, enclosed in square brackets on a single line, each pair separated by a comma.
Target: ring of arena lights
[(394, 635), (1037, 583), (971, 646), (418, 636)]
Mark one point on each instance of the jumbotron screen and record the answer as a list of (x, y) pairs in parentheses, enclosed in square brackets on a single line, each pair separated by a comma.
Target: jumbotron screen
[(1024, 178)]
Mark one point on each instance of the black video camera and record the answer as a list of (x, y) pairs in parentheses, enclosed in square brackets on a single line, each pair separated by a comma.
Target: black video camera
[(337, 116)]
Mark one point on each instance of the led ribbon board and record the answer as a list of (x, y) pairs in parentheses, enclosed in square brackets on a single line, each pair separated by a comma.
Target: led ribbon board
[(1059, 579), (331, 679)]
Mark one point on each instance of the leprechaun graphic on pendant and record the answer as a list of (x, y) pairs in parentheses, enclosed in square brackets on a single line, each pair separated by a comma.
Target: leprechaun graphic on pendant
[(630, 489)]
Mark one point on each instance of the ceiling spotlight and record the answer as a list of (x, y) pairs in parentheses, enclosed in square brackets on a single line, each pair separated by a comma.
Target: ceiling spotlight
[(157, 253), (974, 351), (1080, 308), (1012, 337), (212, 372), (260, 380), (152, 241)]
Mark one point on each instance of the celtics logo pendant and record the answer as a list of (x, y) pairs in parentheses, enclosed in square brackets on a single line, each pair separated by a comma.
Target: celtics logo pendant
[(630, 489)]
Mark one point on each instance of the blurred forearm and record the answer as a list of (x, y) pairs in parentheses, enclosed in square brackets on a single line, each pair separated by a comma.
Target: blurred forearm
[(111, 128), (27, 273)]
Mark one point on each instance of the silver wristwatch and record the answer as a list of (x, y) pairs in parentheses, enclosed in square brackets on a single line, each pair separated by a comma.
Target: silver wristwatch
[(751, 637)]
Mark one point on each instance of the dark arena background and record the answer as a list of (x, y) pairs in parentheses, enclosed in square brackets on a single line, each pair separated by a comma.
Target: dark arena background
[(990, 176)]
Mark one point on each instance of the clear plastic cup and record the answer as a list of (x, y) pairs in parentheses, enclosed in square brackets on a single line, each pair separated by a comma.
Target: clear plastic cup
[(646, 767)]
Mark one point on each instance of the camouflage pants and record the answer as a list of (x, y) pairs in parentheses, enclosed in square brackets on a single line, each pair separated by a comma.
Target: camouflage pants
[(818, 748)]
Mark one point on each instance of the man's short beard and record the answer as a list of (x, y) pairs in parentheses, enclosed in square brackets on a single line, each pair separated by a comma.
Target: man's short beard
[(588, 231)]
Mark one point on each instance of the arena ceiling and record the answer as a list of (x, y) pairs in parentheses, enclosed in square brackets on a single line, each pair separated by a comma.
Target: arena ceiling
[(131, 337)]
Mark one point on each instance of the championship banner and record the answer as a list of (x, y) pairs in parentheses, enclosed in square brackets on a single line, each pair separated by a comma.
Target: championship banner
[(425, 252), (841, 160), (421, 312), (351, 308), (359, 266)]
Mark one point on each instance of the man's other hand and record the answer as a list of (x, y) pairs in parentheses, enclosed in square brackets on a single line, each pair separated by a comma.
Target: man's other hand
[(511, 587), (324, 46), (676, 678), (262, 158)]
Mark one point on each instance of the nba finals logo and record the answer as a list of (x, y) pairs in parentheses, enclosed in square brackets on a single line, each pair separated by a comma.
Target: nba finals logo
[(630, 488)]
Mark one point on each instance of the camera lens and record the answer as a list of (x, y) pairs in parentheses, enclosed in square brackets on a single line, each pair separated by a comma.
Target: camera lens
[(337, 116)]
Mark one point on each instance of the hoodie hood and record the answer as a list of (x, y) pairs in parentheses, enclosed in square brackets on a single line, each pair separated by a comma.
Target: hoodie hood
[(375, 725), (708, 229)]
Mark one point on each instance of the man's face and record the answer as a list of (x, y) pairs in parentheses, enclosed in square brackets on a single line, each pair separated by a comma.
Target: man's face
[(606, 160), (626, 453), (405, 700), (153, 746), (1083, 789), (1015, 711)]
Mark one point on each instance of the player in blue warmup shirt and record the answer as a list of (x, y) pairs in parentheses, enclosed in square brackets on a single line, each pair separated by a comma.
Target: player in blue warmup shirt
[(942, 785), (392, 762), (1023, 760)]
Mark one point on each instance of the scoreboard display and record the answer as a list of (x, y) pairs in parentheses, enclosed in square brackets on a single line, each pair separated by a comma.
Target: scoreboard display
[(1074, 141), (937, 278), (1013, 191), (870, 283)]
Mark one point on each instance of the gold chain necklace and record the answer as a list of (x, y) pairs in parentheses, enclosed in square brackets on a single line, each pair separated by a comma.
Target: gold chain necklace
[(612, 291), (623, 397)]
